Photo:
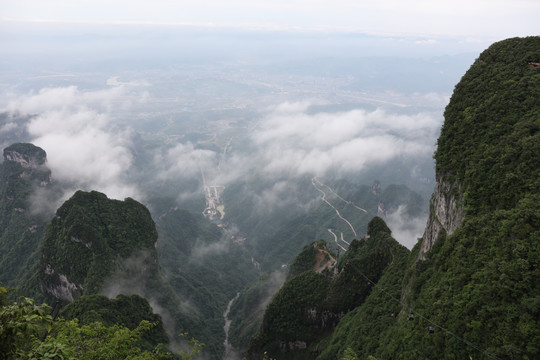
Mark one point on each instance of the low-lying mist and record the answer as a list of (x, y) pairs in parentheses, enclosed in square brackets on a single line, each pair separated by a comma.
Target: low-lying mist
[(90, 147)]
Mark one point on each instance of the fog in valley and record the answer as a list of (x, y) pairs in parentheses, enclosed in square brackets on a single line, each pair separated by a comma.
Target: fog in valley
[(133, 111)]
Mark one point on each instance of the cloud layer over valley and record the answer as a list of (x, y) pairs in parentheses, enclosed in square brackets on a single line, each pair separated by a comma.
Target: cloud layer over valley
[(88, 149), (84, 146), (295, 142)]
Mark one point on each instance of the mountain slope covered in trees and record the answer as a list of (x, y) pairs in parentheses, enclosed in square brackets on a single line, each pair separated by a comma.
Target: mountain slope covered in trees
[(469, 288), (22, 173), (320, 290)]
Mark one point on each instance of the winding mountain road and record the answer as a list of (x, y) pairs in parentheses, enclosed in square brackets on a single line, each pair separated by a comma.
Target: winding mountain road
[(318, 185), (339, 197), (336, 239)]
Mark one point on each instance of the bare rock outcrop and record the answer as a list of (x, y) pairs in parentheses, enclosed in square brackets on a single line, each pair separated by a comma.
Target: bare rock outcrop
[(446, 213), (27, 161)]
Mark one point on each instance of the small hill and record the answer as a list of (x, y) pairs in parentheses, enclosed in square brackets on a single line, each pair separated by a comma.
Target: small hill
[(127, 311)]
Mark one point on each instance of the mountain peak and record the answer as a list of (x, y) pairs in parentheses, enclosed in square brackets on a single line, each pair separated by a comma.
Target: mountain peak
[(26, 155), (88, 239)]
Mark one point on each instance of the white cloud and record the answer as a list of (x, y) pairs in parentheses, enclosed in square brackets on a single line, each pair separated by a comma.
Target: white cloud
[(83, 146), (86, 149), (297, 143), (183, 161), (406, 230)]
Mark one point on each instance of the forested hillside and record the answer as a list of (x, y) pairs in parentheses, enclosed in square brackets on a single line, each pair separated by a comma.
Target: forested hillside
[(277, 245), (22, 173), (96, 245), (321, 290), (469, 288)]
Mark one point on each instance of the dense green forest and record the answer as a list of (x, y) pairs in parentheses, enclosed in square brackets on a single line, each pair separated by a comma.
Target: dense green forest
[(475, 293), (303, 314), (31, 331), (86, 240)]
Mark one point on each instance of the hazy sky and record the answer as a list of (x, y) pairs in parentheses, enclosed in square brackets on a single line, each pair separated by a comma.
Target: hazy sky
[(474, 18)]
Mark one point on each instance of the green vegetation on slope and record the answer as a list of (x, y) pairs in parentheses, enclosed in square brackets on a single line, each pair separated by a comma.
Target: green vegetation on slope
[(307, 308), (87, 238), (28, 331), (21, 228), (294, 235), (478, 288), (127, 311), (362, 331), (489, 140)]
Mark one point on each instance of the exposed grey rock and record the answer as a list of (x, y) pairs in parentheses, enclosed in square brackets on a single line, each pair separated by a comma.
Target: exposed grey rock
[(446, 213), (63, 289)]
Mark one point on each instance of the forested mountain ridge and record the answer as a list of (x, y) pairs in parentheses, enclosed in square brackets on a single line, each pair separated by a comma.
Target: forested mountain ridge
[(21, 229), (302, 315), (469, 288), (356, 203)]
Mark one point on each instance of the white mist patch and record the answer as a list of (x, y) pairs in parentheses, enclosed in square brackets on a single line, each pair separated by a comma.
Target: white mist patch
[(281, 195), (183, 161), (131, 277), (405, 229), (83, 146), (273, 284), (201, 251), (290, 140)]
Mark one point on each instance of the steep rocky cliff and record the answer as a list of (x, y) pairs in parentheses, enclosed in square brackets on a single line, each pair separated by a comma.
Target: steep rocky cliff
[(484, 153), (472, 280), (28, 156), (446, 213)]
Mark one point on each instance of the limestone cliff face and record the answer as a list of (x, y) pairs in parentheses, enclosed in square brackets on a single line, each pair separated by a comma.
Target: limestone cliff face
[(446, 213), (27, 162)]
